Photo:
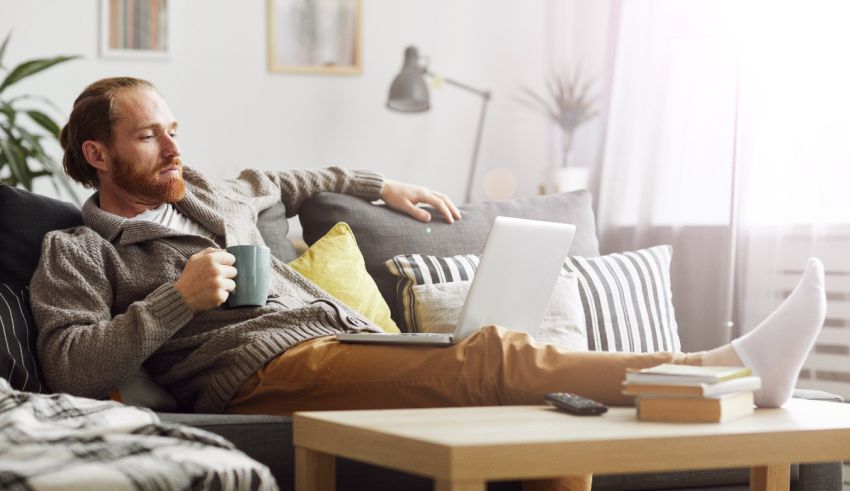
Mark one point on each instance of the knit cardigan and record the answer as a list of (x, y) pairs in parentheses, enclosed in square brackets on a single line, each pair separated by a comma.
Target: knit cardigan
[(104, 301)]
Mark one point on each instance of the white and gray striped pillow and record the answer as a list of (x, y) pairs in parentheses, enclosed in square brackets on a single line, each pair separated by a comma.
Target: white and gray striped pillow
[(417, 269), (626, 297), (627, 300), (18, 363)]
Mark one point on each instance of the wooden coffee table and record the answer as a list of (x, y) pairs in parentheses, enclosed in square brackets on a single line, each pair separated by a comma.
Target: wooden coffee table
[(462, 448)]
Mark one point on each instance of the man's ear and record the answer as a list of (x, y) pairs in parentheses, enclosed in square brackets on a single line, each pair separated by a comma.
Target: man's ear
[(95, 154)]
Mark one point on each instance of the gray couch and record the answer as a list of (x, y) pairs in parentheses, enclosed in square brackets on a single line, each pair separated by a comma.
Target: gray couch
[(381, 233)]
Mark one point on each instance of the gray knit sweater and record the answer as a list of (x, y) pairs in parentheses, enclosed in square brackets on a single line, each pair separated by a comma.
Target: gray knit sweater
[(104, 301)]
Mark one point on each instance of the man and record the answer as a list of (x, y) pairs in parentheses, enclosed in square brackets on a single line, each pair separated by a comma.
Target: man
[(144, 280)]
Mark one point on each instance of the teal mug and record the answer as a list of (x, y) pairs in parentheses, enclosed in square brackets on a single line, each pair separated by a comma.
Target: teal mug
[(253, 268)]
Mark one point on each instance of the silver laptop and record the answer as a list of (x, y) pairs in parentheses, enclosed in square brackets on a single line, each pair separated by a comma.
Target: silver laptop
[(512, 288)]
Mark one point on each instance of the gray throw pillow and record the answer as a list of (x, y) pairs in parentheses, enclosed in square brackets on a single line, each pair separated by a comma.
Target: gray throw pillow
[(383, 233), (24, 219)]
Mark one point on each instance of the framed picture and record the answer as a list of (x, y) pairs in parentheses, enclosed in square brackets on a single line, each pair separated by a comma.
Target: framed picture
[(134, 29), (314, 36)]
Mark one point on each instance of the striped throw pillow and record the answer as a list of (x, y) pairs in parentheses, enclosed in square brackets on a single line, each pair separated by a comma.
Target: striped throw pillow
[(627, 300), (416, 269), (18, 363)]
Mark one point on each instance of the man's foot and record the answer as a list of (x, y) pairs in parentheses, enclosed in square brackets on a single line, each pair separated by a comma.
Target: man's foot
[(777, 348)]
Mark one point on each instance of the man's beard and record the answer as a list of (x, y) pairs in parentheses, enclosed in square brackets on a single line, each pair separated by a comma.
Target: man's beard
[(150, 186)]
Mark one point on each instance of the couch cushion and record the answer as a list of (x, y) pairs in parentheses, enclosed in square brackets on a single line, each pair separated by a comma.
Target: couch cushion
[(24, 219), (383, 233), (18, 361)]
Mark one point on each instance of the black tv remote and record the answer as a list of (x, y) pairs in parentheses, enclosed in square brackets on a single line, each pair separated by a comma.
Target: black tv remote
[(575, 404)]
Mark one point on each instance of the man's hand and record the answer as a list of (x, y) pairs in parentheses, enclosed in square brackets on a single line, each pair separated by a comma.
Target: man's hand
[(207, 279), (405, 197)]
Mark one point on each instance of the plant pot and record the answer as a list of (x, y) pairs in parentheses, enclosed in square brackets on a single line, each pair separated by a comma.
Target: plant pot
[(570, 178)]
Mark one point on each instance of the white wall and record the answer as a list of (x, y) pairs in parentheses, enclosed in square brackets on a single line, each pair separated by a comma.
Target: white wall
[(578, 40), (234, 113)]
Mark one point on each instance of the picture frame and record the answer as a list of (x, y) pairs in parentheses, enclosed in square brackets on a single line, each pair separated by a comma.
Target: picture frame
[(135, 29), (314, 36)]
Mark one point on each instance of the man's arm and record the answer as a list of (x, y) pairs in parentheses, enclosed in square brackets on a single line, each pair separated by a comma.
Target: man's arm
[(82, 347), (296, 186)]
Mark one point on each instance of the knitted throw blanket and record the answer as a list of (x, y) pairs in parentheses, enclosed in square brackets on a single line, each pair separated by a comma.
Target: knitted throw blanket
[(58, 441)]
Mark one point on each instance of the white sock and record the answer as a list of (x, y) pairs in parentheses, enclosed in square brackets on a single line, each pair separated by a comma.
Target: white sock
[(777, 348)]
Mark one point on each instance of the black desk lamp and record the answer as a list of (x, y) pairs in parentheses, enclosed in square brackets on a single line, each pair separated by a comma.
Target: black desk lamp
[(409, 93)]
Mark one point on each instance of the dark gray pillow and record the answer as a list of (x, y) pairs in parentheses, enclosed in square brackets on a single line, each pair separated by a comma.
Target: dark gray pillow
[(383, 233), (24, 219), (274, 228), (18, 361)]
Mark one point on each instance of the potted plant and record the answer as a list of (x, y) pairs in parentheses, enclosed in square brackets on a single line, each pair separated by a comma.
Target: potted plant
[(569, 104), (24, 126)]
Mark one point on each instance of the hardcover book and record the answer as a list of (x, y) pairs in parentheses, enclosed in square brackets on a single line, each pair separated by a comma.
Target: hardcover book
[(695, 409), (685, 374), (741, 384)]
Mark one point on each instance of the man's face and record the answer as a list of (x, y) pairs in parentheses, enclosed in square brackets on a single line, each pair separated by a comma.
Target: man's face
[(144, 156)]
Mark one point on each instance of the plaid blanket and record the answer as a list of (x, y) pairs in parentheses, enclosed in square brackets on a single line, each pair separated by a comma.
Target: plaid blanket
[(62, 442)]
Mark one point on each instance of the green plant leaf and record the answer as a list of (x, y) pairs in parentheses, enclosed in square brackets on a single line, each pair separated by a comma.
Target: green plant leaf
[(44, 121), (45, 100), (32, 67), (51, 167), (35, 149), (3, 48), (17, 164), (27, 136), (19, 147), (9, 111), (40, 173)]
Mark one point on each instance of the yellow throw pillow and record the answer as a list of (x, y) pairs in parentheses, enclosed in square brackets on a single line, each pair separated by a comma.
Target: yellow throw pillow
[(335, 264)]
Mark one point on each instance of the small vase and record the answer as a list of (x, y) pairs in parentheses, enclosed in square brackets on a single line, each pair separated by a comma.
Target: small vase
[(570, 178)]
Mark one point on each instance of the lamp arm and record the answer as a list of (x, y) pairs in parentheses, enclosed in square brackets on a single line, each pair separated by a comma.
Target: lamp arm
[(485, 99), (460, 85), (474, 162)]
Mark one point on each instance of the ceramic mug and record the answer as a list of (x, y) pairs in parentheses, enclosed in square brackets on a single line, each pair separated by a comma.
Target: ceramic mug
[(253, 268)]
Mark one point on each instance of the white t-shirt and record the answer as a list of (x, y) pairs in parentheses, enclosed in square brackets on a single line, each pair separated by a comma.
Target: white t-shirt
[(167, 215)]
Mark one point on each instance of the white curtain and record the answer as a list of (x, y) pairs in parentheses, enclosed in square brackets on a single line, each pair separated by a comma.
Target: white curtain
[(728, 136)]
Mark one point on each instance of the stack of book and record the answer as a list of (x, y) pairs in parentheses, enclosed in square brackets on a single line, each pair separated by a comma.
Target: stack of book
[(686, 393)]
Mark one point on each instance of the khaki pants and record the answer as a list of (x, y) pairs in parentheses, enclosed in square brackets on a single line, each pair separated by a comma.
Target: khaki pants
[(491, 367), (494, 366)]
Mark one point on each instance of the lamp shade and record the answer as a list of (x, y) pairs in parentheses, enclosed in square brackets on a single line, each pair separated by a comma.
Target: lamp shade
[(409, 92)]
